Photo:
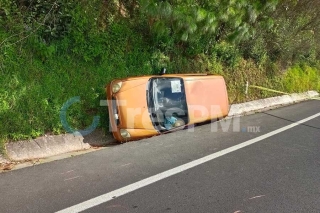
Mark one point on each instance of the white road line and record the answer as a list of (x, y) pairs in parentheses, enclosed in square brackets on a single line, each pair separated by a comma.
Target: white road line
[(145, 182)]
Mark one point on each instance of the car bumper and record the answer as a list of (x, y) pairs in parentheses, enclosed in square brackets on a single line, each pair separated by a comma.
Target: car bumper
[(111, 109), (115, 121)]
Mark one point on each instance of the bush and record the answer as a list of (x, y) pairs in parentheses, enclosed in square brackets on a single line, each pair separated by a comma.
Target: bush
[(301, 78)]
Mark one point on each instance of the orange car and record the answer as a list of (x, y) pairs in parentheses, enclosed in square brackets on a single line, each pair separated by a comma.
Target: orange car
[(145, 106)]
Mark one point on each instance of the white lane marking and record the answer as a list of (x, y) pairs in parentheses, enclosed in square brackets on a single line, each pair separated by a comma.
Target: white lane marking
[(145, 182), (72, 178), (251, 198)]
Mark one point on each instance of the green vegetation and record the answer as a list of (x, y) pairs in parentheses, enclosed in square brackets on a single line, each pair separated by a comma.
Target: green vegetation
[(53, 50)]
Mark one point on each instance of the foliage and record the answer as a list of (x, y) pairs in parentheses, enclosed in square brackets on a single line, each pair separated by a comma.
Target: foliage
[(301, 78), (293, 37), (191, 19), (53, 50)]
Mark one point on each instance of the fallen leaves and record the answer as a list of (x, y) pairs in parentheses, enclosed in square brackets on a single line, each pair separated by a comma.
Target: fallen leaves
[(6, 166)]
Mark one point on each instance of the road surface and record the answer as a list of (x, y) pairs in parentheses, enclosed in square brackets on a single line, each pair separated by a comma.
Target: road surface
[(271, 165)]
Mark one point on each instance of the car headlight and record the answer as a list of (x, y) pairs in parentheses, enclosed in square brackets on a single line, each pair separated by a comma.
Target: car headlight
[(124, 133), (116, 87)]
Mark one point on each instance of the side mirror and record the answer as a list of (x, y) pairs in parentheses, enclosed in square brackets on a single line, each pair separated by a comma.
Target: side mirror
[(163, 71)]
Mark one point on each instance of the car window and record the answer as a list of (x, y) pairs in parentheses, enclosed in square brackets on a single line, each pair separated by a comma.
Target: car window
[(167, 103)]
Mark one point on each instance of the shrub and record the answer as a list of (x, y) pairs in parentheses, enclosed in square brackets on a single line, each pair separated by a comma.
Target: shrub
[(301, 78)]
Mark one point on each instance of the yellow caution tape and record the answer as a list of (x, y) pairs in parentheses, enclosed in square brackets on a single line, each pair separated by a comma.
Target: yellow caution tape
[(276, 91), (267, 89)]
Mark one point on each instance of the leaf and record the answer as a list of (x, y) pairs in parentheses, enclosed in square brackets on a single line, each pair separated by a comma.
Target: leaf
[(192, 27), (201, 14), (165, 9), (184, 36), (6, 166)]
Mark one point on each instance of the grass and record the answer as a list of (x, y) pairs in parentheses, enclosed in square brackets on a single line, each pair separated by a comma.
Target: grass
[(33, 91), (36, 82)]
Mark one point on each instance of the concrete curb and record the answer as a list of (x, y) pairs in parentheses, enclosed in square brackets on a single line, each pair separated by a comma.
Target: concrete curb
[(269, 103), (48, 146), (45, 146)]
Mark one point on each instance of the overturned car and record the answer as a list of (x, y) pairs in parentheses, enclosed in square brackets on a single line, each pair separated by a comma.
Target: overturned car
[(145, 106)]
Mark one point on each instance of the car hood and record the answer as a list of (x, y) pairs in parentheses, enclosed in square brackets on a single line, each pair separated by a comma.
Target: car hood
[(132, 104)]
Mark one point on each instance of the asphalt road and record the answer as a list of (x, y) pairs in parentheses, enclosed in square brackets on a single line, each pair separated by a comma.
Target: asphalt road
[(275, 167)]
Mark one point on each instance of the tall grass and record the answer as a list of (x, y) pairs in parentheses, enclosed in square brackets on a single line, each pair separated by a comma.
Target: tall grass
[(37, 80), (301, 78)]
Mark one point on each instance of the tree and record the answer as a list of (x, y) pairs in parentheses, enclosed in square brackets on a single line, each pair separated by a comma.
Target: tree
[(294, 36), (188, 20)]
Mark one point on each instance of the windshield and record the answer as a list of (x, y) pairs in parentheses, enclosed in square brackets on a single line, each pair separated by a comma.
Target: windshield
[(167, 103)]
